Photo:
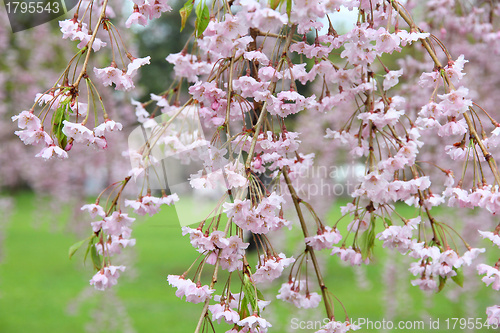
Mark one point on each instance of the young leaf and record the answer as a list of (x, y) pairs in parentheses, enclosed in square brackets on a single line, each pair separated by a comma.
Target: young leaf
[(368, 239), (259, 295), (185, 12), (442, 283), (368, 242), (275, 3), (288, 8), (249, 290), (202, 18), (73, 248), (459, 278), (96, 258), (91, 243), (59, 116), (244, 307)]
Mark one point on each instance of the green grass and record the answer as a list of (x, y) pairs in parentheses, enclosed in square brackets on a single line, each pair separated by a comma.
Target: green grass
[(38, 283)]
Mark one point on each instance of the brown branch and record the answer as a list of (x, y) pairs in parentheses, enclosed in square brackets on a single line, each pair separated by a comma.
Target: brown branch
[(317, 269), (472, 130)]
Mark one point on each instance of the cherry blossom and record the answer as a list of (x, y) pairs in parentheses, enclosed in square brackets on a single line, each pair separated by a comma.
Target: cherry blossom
[(324, 239), (106, 277), (495, 238), (255, 322), (52, 151), (94, 210), (78, 132), (73, 30), (271, 268), (349, 255), (290, 292), (391, 79), (492, 275), (266, 81), (222, 311), (194, 292), (493, 313), (27, 120)]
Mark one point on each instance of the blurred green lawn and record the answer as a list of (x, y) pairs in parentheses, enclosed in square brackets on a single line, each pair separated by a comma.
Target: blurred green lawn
[(38, 283)]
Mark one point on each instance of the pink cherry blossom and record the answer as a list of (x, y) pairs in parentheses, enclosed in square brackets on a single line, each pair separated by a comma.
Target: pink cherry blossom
[(34, 136), (106, 277), (223, 311), (94, 210), (78, 132), (107, 126), (271, 268), (391, 79), (492, 275), (27, 120), (52, 151), (493, 313), (324, 239), (495, 238), (255, 322)]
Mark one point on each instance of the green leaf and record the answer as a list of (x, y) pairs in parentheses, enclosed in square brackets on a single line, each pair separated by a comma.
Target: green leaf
[(260, 296), (244, 307), (249, 290), (202, 18), (368, 239), (388, 221), (459, 278), (91, 242), (96, 258), (275, 3), (58, 117), (289, 8), (368, 243), (442, 283), (73, 248), (185, 12)]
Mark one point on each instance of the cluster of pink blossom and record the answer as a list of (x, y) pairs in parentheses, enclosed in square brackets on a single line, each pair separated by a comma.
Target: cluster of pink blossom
[(64, 99), (33, 134), (486, 197), (117, 227), (73, 29), (114, 230), (149, 204), (226, 304), (324, 238), (290, 292), (435, 263), (106, 277), (492, 275), (121, 78), (271, 267), (230, 251), (194, 292), (259, 219), (147, 9), (231, 175), (243, 72)]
